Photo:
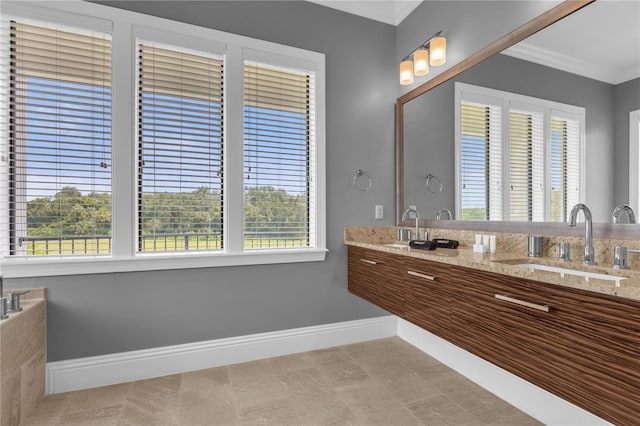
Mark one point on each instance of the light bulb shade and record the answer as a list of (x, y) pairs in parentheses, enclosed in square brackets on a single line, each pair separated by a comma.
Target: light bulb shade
[(438, 47), (406, 72), (421, 62)]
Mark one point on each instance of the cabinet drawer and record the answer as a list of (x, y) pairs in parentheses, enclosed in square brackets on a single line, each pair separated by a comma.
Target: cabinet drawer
[(377, 277), (427, 298), (580, 346)]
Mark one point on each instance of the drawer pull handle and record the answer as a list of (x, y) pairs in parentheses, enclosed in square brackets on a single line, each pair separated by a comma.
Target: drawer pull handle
[(544, 308), (370, 262), (419, 275)]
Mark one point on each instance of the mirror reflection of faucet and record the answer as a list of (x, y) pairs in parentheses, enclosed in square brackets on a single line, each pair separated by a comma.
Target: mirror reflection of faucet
[(442, 212), (623, 210)]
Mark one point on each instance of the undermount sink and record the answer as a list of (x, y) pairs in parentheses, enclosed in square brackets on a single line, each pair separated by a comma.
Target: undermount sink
[(567, 271), (396, 245)]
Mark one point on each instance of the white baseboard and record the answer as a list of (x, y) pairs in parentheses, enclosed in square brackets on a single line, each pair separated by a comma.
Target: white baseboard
[(535, 401), (84, 373)]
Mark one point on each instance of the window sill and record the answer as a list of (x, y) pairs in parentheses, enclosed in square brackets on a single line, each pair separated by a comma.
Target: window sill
[(41, 267)]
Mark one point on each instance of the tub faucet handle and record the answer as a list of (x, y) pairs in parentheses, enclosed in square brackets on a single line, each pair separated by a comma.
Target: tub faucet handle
[(13, 301), (4, 308)]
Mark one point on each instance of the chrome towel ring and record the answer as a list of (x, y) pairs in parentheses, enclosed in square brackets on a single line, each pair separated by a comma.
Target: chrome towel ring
[(361, 180), (434, 184)]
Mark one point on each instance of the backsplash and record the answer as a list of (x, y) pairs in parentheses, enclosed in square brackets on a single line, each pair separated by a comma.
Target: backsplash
[(514, 243)]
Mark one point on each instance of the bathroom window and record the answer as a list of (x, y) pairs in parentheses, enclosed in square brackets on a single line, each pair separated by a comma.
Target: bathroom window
[(279, 139), (130, 142), (518, 158), (58, 169), (180, 149)]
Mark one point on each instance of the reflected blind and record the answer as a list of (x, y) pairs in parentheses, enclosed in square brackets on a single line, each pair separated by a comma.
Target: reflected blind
[(180, 149), (60, 141), (565, 167), (526, 166), (480, 162), (279, 131)]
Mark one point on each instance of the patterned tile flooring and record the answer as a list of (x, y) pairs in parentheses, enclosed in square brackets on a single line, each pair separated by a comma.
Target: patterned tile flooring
[(380, 382)]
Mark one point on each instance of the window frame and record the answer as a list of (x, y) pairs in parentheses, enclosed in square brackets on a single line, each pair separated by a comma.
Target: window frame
[(634, 159), (126, 27), (508, 102)]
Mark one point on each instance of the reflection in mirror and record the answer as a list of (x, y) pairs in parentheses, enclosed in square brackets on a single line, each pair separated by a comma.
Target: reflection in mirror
[(428, 120)]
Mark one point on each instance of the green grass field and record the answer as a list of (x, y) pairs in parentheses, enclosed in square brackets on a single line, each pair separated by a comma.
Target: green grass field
[(170, 244)]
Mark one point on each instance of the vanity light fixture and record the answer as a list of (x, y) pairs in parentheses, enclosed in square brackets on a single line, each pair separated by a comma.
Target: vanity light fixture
[(432, 52)]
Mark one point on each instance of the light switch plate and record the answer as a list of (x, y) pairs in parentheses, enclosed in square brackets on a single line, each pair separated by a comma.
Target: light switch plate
[(379, 211)]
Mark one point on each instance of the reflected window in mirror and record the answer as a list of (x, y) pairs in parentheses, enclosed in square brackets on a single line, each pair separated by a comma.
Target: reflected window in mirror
[(634, 159), (517, 157)]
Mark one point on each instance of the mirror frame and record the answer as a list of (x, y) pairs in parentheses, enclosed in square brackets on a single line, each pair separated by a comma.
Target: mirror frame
[(542, 21)]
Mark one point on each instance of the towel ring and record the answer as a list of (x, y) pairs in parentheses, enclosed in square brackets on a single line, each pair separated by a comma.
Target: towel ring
[(361, 180), (434, 184)]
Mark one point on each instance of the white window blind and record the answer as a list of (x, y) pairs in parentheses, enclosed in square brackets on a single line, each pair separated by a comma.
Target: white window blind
[(279, 134), (180, 149), (526, 166), (480, 162), (565, 167), (59, 174), (532, 145)]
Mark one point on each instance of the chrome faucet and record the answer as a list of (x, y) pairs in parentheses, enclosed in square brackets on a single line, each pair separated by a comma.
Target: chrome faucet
[(589, 254), (623, 209), (417, 216), (444, 211)]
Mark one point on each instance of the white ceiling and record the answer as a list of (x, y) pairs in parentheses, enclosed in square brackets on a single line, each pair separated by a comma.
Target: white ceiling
[(387, 11), (580, 43)]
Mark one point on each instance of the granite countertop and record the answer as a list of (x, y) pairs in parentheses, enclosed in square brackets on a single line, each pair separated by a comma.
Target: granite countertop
[(505, 263)]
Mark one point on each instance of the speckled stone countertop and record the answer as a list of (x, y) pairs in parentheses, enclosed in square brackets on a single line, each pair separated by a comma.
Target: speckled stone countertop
[(511, 251)]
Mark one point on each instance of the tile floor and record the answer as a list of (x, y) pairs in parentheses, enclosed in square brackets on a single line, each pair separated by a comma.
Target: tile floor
[(381, 382)]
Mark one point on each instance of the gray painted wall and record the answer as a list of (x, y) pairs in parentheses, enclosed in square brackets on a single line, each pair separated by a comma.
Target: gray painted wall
[(432, 150), (107, 313), (626, 99)]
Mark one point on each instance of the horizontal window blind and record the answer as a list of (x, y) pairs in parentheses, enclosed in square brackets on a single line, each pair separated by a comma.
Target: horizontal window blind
[(526, 166), (480, 162), (60, 141), (180, 149), (565, 167), (279, 132)]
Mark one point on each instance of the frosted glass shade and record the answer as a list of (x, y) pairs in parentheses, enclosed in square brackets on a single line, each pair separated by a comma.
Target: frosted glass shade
[(438, 47), (421, 62), (406, 72)]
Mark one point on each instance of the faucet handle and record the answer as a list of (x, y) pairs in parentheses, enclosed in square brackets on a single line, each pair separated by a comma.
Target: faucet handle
[(564, 251), (4, 308), (620, 257), (13, 301)]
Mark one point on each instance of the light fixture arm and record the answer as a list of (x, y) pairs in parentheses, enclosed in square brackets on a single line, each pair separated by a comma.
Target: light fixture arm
[(422, 46)]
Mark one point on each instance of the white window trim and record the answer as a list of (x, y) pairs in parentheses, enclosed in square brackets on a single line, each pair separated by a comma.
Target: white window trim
[(508, 101), (126, 26), (634, 159)]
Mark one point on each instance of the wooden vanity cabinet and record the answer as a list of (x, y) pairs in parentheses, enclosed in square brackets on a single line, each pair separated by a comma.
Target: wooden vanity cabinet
[(377, 277), (427, 296), (581, 346)]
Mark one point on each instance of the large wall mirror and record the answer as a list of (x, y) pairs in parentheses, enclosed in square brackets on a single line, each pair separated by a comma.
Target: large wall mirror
[(536, 60)]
